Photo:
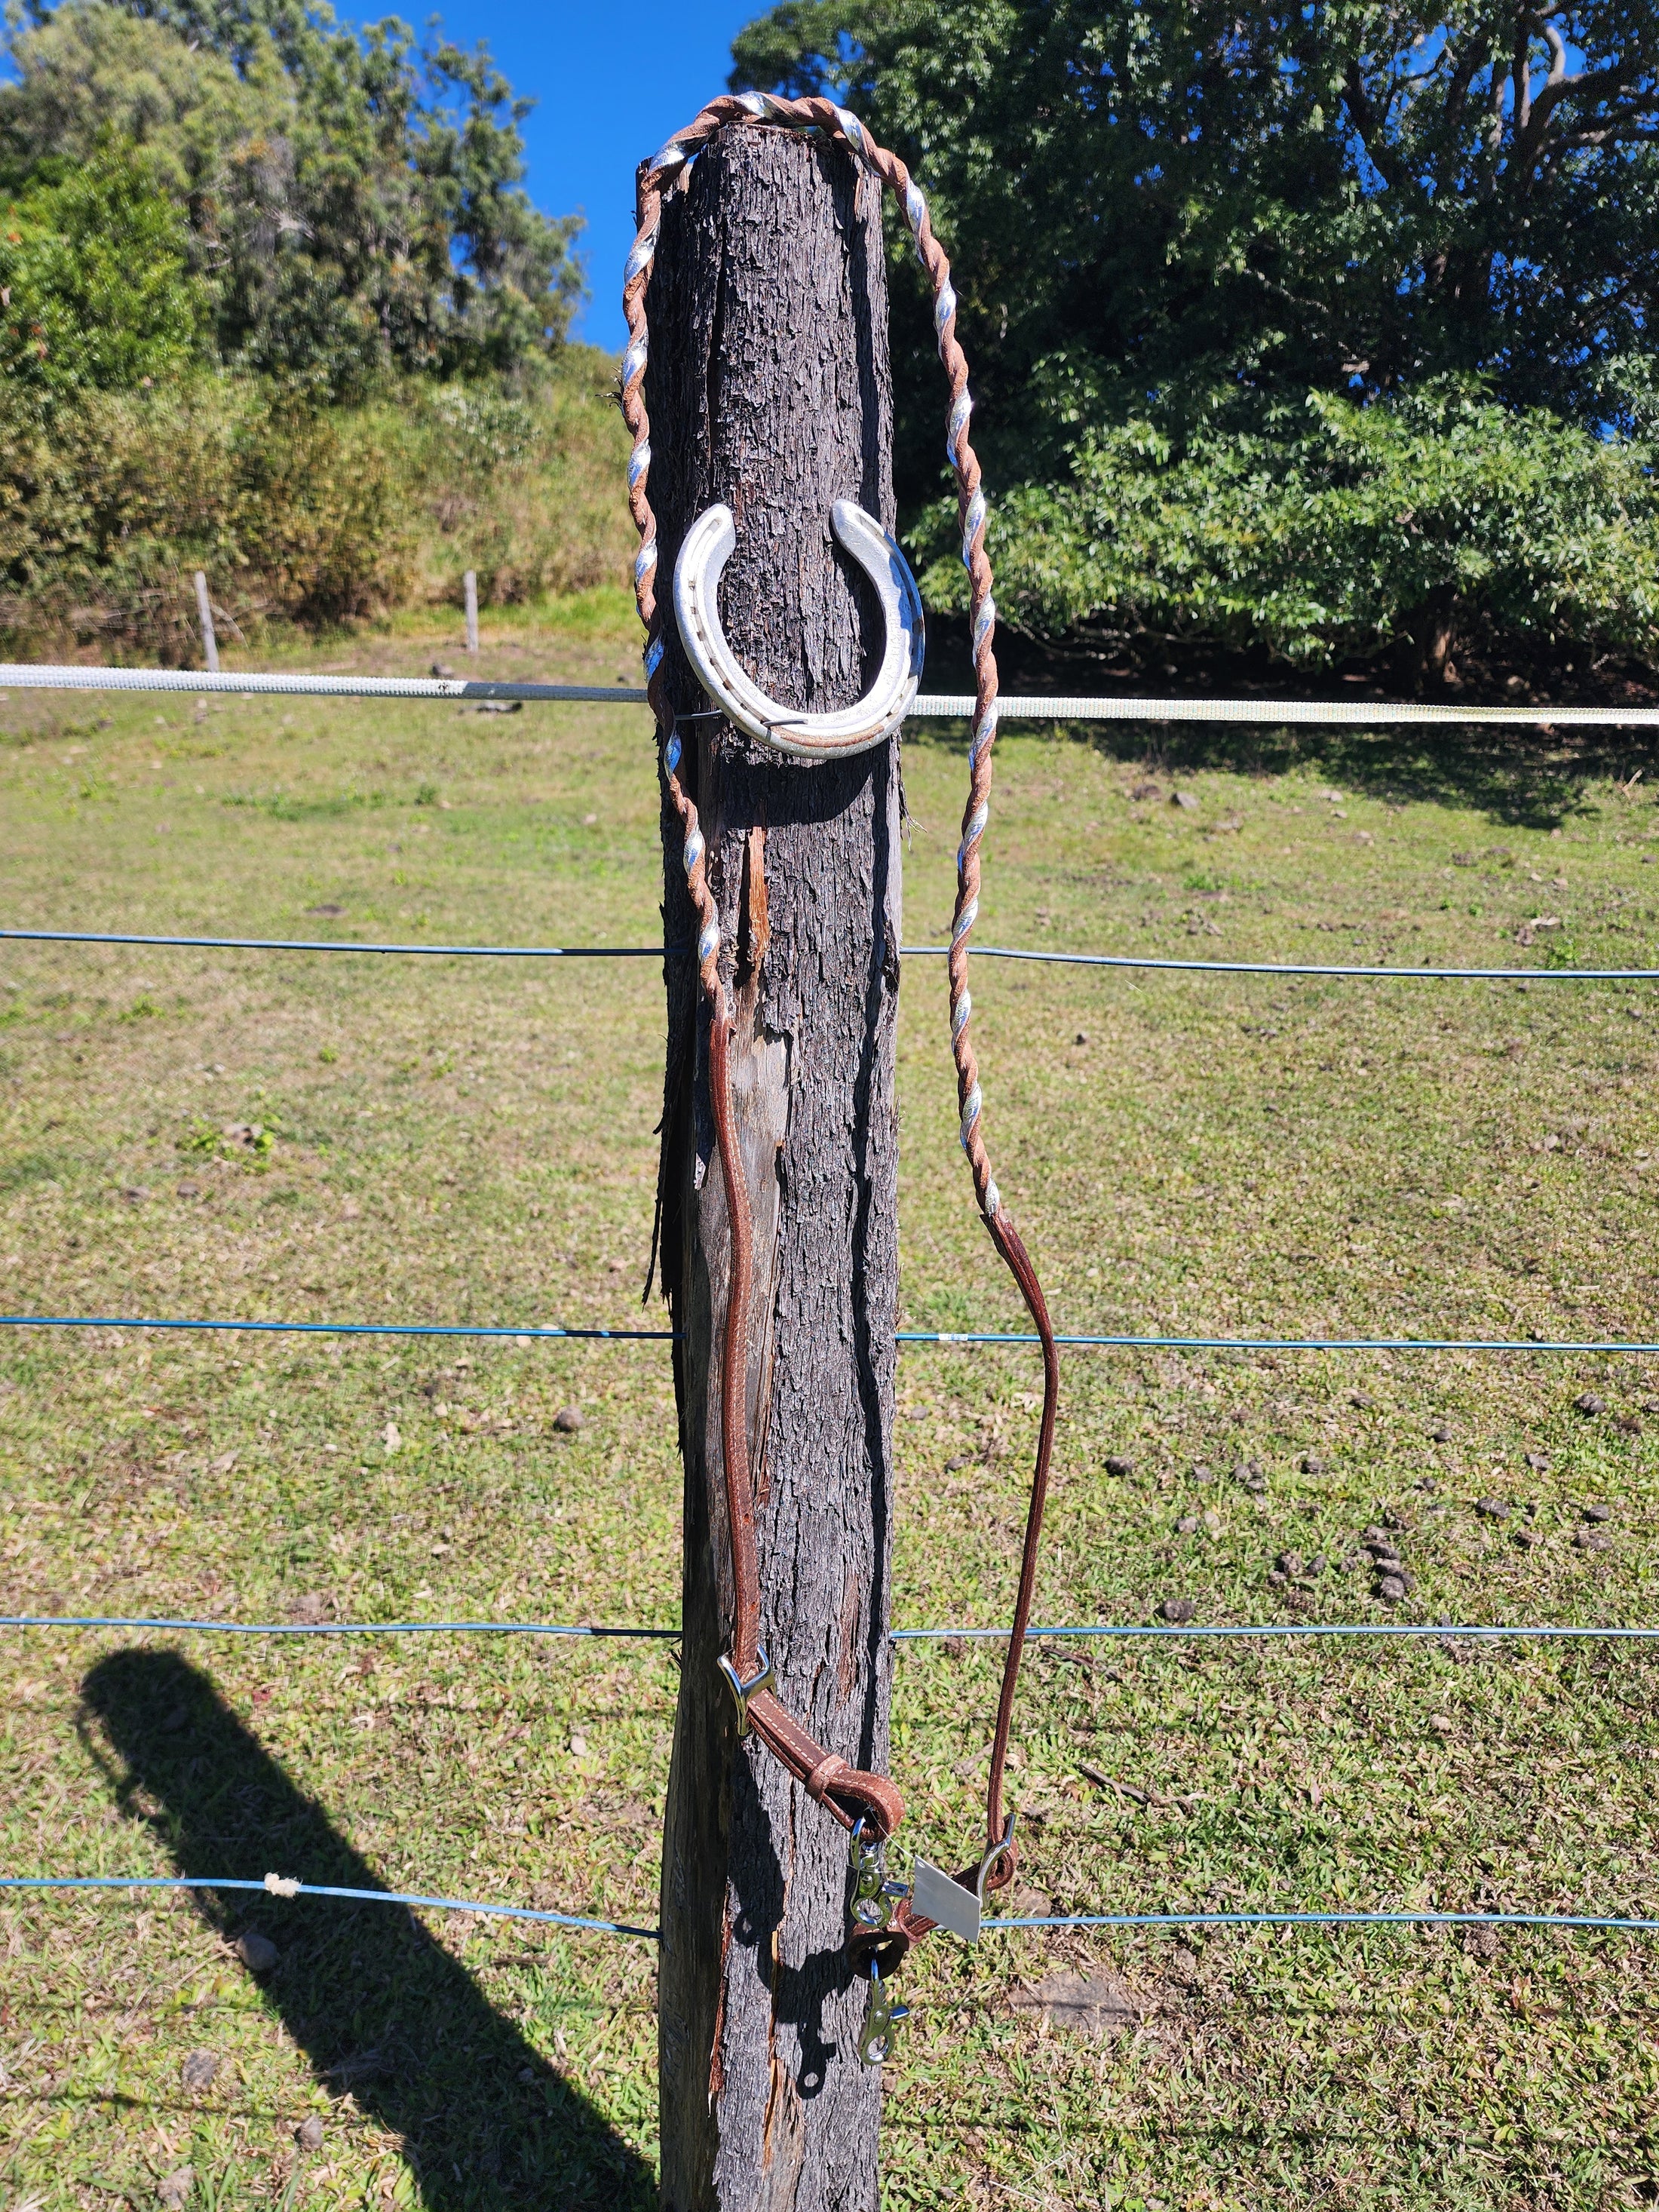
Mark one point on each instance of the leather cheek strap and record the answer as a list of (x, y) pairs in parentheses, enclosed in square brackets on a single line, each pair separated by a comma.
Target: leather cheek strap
[(845, 1790)]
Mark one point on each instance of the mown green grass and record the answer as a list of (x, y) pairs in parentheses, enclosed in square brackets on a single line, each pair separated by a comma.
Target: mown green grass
[(472, 1141)]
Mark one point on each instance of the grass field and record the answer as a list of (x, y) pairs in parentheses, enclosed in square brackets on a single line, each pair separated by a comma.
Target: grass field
[(267, 1135)]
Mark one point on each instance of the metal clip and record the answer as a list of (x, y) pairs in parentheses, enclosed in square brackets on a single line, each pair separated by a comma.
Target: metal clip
[(742, 1691), (880, 2021), (873, 1895), (991, 1857)]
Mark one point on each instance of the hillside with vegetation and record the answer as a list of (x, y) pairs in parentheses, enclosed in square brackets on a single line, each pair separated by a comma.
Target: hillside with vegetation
[(275, 303), (1310, 344)]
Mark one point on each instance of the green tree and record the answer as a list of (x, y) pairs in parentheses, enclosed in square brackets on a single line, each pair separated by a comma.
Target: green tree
[(91, 73), (1182, 215), (1347, 193), (95, 288), (353, 205)]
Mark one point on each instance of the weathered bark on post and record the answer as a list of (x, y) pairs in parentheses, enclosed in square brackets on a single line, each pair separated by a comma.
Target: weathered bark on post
[(770, 388)]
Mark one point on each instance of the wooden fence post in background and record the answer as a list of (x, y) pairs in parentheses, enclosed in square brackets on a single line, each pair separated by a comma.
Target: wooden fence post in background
[(469, 585), (770, 388), (204, 610)]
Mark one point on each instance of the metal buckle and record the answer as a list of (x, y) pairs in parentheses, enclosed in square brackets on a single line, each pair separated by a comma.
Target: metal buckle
[(880, 2021), (742, 1691)]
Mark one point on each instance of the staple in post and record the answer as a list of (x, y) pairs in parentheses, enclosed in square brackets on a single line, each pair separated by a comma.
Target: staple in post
[(204, 609), (469, 585)]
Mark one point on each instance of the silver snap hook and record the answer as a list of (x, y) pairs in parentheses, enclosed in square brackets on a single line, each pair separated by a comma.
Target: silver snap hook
[(881, 2020)]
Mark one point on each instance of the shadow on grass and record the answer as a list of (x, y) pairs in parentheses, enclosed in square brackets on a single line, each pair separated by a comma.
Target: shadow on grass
[(1522, 779), (377, 2005)]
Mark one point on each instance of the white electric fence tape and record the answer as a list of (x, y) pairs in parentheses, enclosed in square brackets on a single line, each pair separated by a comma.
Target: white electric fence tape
[(928, 706)]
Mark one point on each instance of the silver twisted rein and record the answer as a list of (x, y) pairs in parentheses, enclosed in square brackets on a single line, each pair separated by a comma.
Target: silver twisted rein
[(664, 173)]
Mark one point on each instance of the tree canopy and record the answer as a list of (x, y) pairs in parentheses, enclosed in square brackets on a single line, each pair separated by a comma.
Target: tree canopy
[(350, 203), (1182, 216)]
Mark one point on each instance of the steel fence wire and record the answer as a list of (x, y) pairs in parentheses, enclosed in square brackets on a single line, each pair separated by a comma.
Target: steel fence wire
[(934, 706)]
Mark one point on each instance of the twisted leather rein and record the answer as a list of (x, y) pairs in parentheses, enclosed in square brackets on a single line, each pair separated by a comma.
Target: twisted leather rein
[(868, 1804)]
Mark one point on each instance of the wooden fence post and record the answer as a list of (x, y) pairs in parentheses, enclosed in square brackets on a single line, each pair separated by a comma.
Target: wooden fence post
[(204, 612), (470, 590), (770, 388)]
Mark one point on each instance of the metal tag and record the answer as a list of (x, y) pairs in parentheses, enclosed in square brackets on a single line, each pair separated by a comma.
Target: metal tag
[(934, 1896)]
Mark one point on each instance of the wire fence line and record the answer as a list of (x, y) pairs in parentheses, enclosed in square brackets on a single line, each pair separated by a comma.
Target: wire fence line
[(928, 705), (1444, 1631), (1125, 960), (1351, 973), (342, 944), (947, 1339), (30, 675), (1327, 714), (274, 1885), (1441, 1632), (528, 1332), (286, 1888), (1343, 713), (157, 1623), (1282, 1343), (283, 1887), (1321, 1920)]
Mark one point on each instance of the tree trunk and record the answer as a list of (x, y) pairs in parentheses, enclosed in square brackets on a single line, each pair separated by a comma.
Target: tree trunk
[(1423, 658), (770, 388)]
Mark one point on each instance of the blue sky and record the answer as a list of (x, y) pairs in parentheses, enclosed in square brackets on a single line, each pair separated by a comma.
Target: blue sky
[(610, 83)]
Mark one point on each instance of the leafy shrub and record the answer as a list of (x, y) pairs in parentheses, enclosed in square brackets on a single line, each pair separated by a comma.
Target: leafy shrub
[(108, 501), (298, 513), (95, 292), (1334, 530), (324, 535), (523, 489)]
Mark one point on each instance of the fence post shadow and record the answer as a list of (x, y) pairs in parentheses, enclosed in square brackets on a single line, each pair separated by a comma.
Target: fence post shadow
[(375, 2003)]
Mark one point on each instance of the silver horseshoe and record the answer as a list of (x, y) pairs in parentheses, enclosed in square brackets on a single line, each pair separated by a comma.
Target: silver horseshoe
[(709, 546)]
